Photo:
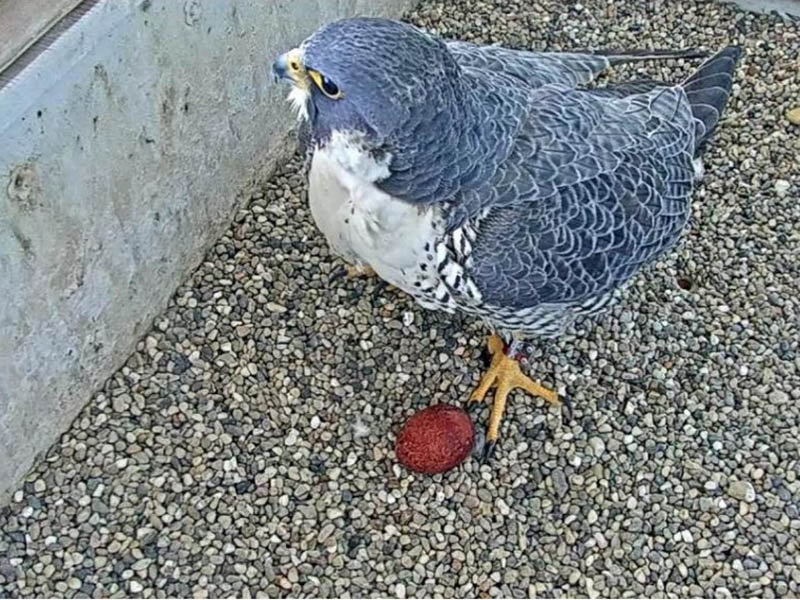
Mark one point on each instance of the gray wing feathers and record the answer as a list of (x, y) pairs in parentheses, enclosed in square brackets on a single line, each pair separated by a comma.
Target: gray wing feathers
[(533, 68), (596, 183), (485, 123), (541, 68), (594, 188)]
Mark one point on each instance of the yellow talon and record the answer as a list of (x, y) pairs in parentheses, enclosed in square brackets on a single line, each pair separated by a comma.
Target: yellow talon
[(505, 374), (354, 271)]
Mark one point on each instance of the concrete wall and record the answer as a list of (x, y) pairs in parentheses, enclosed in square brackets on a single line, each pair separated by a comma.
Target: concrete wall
[(123, 146), (788, 9)]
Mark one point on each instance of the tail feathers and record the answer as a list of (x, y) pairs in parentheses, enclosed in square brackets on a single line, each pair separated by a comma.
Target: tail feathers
[(708, 90), (618, 57)]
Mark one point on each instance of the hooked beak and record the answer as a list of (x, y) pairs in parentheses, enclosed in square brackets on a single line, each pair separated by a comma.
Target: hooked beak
[(289, 67)]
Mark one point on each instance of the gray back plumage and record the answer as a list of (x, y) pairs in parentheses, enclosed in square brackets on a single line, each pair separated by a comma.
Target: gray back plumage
[(596, 187), (601, 185), (532, 69)]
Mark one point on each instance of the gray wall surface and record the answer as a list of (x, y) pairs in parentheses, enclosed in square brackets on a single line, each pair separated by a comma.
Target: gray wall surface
[(785, 8), (123, 149)]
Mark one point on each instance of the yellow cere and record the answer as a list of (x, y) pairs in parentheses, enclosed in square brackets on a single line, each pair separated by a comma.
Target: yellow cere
[(297, 71)]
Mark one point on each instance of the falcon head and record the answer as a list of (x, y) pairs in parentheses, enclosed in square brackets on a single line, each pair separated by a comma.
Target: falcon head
[(372, 76)]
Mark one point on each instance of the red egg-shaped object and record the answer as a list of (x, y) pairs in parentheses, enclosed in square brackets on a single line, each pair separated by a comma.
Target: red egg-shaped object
[(435, 439)]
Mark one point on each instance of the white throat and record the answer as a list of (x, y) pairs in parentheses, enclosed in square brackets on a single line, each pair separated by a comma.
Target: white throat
[(298, 98), (350, 151)]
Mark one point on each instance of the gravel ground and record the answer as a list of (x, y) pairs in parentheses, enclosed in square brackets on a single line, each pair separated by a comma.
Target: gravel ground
[(246, 446)]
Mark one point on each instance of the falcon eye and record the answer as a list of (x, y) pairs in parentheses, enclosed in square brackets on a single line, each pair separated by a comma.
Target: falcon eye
[(330, 89)]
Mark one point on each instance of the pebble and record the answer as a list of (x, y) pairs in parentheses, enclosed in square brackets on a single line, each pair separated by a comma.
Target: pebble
[(326, 531), (782, 187), (560, 482), (598, 446), (504, 509), (274, 307), (742, 490)]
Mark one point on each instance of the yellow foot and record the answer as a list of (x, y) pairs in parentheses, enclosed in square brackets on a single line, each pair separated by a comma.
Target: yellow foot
[(505, 374), (353, 271)]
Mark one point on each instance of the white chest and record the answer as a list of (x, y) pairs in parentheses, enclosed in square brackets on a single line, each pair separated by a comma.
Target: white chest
[(366, 226)]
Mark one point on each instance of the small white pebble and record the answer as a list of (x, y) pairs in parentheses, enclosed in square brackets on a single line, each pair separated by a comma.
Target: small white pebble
[(503, 507), (360, 429), (742, 490), (781, 187), (590, 591), (598, 446)]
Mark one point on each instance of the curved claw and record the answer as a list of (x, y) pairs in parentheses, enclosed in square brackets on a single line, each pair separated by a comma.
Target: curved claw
[(473, 406), (488, 451), (566, 403), (380, 287), (339, 273)]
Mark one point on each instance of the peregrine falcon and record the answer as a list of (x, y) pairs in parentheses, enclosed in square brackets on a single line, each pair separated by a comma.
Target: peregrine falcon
[(494, 181)]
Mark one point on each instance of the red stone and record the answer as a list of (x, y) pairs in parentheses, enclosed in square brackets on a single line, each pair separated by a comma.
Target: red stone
[(435, 439)]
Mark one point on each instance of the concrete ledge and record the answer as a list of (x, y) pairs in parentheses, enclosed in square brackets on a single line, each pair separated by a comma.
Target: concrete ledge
[(124, 145), (22, 24)]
